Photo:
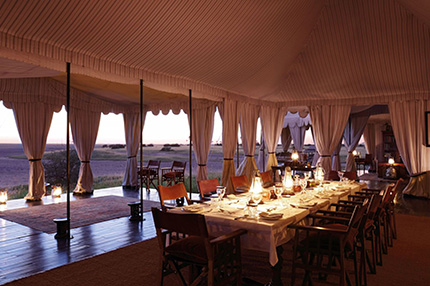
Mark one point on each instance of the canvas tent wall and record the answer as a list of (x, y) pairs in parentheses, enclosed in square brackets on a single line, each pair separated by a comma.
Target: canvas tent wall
[(272, 53)]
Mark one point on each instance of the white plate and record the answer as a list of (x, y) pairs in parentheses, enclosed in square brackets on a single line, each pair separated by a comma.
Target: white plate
[(270, 216)]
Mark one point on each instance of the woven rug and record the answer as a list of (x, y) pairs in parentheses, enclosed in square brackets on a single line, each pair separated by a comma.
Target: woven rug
[(82, 212)]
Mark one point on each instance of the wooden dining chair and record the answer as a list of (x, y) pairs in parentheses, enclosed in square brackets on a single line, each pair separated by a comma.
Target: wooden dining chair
[(318, 247), (173, 174), (217, 258), (350, 175), (240, 183), (176, 192), (333, 176), (150, 174), (207, 187), (267, 179)]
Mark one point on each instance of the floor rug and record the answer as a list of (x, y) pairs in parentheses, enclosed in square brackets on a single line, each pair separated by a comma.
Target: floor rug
[(82, 212)]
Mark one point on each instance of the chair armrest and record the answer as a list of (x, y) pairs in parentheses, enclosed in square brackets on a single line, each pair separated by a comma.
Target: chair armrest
[(371, 190), (317, 228), (332, 218), (345, 202), (228, 236), (367, 194), (334, 213), (357, 197)]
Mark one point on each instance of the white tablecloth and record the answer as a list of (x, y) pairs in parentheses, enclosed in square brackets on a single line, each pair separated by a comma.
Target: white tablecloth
[(265, 235)]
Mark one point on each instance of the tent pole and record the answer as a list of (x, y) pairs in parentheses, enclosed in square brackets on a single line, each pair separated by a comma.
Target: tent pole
[(141, 149), (191, 140), (68, 149), (237, 154)]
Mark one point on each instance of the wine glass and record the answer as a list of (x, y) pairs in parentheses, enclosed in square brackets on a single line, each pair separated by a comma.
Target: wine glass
[(278, 193), (340, 174), (220, 190), (256, 197)]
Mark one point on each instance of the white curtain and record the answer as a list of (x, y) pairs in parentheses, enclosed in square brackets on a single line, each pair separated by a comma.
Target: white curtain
[(202, 127), (248, 130), (298, 135), (262, 154), (335, 158), (33, 120), (132, 141), (329, 123), (230, 114), (84, 125), (272, 120), (407, 118), (352, 134), (369, 140), (316, 154), (286, 138)]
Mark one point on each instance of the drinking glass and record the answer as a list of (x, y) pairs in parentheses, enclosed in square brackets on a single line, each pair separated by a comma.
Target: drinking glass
[(278, 193), (220, 190)]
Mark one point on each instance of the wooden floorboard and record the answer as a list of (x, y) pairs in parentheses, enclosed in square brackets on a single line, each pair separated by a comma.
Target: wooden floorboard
[(25, 251)]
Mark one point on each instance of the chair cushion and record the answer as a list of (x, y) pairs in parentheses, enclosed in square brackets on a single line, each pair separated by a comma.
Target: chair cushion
[(191, 248)]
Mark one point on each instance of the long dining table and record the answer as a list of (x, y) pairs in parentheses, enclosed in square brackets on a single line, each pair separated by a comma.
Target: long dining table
[(267, 223)]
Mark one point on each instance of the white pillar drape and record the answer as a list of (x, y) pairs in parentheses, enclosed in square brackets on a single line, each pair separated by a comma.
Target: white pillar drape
[(33, 120), (132, 141), (316, 154), (262, 154), (328, 123), (202, 131), (335, 158), (84, 126), (352, 134), (230, 114), (407, 118), (369, 140), (286, 138), (248, 130), (272, 120)]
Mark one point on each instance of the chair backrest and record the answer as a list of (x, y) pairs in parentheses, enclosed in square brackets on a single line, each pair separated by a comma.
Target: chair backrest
[(177, 165), (207, 186), (267, 178), (172, 193), (191, 224), (333, 176), (239, 181), (356, 222), (368, 158), (375, 202), (153, 164), (351, 175)]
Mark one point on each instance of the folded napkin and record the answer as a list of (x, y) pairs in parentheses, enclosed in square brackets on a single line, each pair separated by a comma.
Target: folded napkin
[(242, 189), (228, 209), (270, 216)]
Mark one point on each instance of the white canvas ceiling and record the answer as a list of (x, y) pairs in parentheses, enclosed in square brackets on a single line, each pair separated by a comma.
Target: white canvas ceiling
[(292, 52)]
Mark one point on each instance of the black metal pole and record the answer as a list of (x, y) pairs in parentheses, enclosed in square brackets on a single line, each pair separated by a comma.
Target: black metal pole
[(141, 147), (237, 152), (191, 140), (68, 148)]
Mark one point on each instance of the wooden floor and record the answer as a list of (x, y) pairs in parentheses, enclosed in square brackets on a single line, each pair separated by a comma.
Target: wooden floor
[(25, 251)]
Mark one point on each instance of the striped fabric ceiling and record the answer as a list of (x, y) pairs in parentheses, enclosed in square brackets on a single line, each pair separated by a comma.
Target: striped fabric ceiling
[(295, 52)]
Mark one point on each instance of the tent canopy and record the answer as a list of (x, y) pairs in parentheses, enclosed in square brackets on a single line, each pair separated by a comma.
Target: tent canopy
[(294, 52)]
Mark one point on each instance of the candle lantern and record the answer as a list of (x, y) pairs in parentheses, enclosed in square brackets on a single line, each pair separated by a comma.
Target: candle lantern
[(3, 196), (57, 190), (288, 179)]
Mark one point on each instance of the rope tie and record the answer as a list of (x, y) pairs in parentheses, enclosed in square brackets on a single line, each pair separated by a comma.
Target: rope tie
[(249, 155), (34, 160), (129, 157), (228, 159), (201, 165), (85, 162), (325, 156)]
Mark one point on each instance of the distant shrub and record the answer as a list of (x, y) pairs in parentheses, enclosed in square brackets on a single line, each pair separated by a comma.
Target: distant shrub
[(166, 149), (56, 168), (117, 146)]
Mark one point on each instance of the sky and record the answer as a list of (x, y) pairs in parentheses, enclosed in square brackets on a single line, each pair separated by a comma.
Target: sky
[(158, 129)]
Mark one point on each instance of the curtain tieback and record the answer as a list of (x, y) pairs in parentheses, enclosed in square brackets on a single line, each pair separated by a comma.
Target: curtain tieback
[(249, 155), (418, 174), (85, 162), (129, 157), (336, 154), (325, 156), (34, 160), (271, 152), (228, 159), (201, 165)]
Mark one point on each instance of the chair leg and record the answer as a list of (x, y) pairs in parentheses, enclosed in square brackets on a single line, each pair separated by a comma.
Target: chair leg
[(372, 262)]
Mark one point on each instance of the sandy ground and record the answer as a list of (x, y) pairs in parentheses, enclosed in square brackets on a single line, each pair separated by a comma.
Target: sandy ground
[(14, 172)]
